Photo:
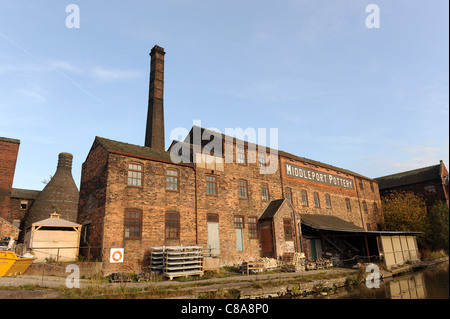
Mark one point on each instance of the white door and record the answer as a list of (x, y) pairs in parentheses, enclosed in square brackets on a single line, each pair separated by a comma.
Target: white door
[(213, 238)]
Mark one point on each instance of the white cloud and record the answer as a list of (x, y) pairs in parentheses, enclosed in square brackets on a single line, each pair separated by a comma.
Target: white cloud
[(412, 157), (111, 75)]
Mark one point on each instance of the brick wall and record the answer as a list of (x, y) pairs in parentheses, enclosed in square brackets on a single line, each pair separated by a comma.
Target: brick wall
[(105, 198), (338, 196), (8, 229), (92, 198), (9, 149), (153, 200)]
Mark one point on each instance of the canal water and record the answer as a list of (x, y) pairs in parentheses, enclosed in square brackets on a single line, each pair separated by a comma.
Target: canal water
[(430, 283)]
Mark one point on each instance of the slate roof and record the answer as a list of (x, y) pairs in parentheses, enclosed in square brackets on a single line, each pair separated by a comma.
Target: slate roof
[(409, 177), (9, 140), (134, 150), (327, 222), (271, 209), (24, 193), (282, 153)]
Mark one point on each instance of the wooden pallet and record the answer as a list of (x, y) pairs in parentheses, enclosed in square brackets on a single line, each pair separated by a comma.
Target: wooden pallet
[(177, 261)]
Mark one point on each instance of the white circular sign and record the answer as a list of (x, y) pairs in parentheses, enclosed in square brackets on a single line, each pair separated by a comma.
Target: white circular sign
[(116, 255)]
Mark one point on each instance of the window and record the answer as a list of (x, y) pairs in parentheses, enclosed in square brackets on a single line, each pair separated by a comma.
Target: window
[(243, 189), (264, 192), (361, 184), (262, 159), (304, 198), (365, 207), (430, 190), (241, 159), (328, 200), (347, 203), (134, 175), (287, 225), (172, 180), (239, 226), (252, 228), (316, 200), (375, 208), (23, 204), (371, 187), (211, 185), (238, 222), (172, 225), (288, 194), (132, 223), (212, 218)]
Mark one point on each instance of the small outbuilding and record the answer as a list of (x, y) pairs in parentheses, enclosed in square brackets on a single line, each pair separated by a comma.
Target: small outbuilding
[(54, 238)]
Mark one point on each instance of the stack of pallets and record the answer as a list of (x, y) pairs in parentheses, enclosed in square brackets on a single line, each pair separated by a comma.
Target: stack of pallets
[(177, 261)]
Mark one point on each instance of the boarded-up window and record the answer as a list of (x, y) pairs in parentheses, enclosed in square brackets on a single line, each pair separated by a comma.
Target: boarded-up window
[(287, 225), (239, 225)]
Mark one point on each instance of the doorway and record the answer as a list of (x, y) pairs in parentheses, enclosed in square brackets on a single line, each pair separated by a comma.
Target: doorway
[(213, 234)]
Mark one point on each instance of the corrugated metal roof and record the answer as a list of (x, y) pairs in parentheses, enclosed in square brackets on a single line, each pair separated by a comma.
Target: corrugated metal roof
[(327, 222), (336, 224)]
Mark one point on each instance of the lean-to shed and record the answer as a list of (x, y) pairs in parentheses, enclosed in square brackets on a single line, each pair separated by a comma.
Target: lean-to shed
[(54, 238)]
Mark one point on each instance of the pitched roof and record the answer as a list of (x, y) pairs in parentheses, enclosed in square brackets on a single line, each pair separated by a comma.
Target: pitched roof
[(24, 193), (189, 141), (271, 209), (135, 150), (409, 177), (327, 222), (57, 222), (9, 140)]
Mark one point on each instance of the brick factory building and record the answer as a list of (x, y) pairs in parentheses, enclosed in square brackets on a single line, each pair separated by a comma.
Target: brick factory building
[(431, 182), (137, 197), (9, 149)]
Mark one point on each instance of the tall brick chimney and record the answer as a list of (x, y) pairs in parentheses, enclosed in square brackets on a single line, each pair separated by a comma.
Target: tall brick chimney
[(154, 136)]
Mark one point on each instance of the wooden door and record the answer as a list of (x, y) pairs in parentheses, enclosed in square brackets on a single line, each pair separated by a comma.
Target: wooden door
[(266, 240)]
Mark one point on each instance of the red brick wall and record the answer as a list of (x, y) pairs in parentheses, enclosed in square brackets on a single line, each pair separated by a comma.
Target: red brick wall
[(92, 198), (8, 229), (338, 197), (9, 149), (153, 200), (105, 197), (227, 204)]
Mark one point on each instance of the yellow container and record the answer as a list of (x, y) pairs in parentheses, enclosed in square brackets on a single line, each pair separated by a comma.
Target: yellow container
[(11, 264)]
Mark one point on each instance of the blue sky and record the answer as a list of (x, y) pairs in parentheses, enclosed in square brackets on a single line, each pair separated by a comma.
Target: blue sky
[(374, 101)]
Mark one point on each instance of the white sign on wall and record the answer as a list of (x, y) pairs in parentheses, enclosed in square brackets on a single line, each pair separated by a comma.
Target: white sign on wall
[(116, 255)]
